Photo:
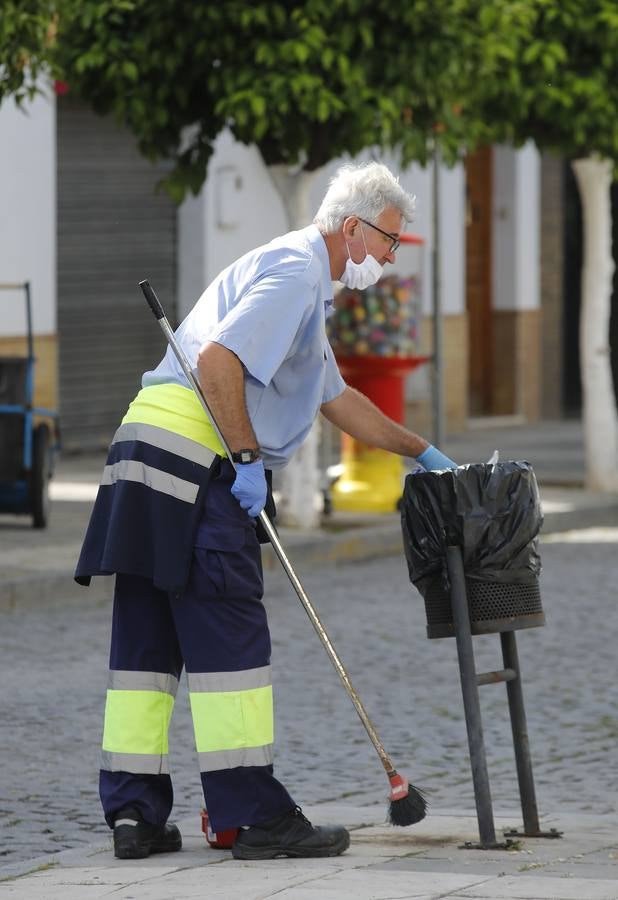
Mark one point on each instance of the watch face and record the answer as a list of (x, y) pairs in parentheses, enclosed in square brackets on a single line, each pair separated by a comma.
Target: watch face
[(246, 456)]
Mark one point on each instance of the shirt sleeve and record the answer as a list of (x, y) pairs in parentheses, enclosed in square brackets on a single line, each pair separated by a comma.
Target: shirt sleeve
[(262, 326), (334, 385)]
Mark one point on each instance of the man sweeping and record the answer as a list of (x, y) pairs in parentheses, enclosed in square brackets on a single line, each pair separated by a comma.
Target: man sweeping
[(176, 523)]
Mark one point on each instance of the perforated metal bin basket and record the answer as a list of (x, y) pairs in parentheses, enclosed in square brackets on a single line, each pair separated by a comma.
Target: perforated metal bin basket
[(493, 606)]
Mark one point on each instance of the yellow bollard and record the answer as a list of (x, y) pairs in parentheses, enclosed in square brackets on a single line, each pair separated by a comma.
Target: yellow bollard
[(371, 480)]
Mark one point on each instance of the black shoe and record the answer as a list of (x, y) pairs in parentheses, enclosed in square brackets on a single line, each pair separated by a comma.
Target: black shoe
[(136, 839), (289, 835)]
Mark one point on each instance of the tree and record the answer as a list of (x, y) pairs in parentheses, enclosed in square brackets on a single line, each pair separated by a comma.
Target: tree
[(548, 71), (26, 34), (307, 82)]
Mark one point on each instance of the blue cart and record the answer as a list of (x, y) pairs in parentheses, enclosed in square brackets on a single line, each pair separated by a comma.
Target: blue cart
[(27, 444)]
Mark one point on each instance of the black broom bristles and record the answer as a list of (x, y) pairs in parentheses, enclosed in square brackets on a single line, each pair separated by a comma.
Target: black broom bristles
[(409, 810), (407, 804)]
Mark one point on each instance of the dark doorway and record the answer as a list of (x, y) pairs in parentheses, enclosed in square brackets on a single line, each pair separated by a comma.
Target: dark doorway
[(613, 322), (571, 384), (479, 184)]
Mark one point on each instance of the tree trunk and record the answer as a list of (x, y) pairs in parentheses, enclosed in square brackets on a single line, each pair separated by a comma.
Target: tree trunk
[(594, 178), (299, 503)]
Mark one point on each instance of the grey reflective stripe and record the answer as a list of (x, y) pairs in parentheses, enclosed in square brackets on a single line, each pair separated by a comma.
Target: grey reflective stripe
[(135, 763), (205, 682), (121, 680), (166, 440), (133, 470), (230, 759)]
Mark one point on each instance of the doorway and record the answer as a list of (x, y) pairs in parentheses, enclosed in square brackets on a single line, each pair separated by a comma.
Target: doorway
[(479, 190)]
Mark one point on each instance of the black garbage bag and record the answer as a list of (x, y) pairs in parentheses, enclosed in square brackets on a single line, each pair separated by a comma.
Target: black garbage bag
[(491, 511)]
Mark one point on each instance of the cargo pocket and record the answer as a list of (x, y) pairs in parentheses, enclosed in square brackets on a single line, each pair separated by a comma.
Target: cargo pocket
[(230, 562)]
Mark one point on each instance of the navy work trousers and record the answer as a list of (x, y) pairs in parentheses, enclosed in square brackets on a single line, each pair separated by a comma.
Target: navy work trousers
[(217, 624)]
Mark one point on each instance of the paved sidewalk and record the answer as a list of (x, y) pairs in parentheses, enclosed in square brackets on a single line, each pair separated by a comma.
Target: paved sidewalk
[(425, 862), (384, 863)]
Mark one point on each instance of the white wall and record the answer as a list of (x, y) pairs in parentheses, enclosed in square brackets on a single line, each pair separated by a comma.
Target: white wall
[(452, 252), (516, 228), (239, 208), (191, 259), (28, 213)]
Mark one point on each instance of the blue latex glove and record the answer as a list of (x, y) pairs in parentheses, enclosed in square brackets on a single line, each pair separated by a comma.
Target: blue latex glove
[(250, 488), (432, 458)]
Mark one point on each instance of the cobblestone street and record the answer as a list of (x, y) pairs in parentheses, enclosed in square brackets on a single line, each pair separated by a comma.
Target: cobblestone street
[(54, 666)]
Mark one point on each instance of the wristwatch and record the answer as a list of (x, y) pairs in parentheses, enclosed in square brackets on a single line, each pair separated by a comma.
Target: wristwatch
[(246, 456)]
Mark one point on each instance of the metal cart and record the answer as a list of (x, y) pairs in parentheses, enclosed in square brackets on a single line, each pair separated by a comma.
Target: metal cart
[(27, 444)]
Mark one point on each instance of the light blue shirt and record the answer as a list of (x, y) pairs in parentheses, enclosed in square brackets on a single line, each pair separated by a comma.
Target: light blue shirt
[(269, 308)]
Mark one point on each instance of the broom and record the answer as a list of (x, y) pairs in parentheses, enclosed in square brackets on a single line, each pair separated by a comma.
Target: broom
[(407, 803)]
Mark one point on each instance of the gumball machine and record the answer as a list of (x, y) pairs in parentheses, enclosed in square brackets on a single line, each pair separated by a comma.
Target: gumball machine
[(375, 335)]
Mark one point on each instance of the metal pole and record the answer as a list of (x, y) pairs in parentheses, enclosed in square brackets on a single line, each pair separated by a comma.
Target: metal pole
[(437, 385), (520, 735), (469, 689), (29, 320)]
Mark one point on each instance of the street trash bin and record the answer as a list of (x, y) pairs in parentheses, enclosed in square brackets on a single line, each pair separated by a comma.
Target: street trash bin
[(492, 512), (471, 544)]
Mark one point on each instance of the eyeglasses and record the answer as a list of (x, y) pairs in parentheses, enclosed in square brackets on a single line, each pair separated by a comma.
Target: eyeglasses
[(396, 243)]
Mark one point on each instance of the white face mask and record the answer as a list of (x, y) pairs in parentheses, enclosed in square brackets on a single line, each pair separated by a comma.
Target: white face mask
[(359, 276)]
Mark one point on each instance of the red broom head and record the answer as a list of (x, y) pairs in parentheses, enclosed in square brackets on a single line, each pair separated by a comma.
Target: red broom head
[(407, 805)]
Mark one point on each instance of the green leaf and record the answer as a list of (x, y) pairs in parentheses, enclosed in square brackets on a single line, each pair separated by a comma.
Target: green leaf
[(258, 105), (130, 70), (301, 51)]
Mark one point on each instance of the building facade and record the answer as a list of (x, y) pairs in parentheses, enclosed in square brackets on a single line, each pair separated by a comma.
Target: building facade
[(84, 222)]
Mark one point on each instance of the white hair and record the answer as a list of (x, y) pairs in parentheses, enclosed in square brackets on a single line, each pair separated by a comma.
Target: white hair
[(365, 191)]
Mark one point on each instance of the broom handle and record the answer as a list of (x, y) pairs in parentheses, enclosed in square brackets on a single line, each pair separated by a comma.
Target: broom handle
[(159, 314)]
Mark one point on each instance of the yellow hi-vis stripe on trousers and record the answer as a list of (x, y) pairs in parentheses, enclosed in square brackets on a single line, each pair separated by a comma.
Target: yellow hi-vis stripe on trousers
[(232, 718), (137, 715)]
